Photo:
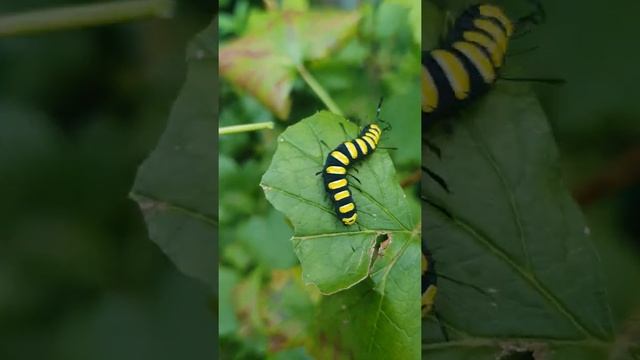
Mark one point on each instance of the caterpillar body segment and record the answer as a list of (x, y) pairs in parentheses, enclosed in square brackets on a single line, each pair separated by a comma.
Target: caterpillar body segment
[(341, 159)]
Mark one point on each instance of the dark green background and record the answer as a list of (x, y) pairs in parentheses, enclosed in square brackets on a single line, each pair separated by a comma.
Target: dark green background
[(79, 111)]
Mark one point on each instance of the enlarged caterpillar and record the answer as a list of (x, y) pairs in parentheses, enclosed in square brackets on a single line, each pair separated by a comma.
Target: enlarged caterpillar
[(339, 160), (467, 65), (429, 281)]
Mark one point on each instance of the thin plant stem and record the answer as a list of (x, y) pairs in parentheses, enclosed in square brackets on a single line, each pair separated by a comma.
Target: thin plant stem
[(71, 17), (235, 129), (319, 90)]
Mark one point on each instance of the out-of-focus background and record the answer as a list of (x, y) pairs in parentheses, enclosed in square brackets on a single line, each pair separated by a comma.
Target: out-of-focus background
[(596, 121), (79, 111)]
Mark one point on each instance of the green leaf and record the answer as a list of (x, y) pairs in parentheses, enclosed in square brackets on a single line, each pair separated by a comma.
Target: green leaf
[(267, 238), (377, 317), (264, 61), (383, 311), (227, 321), (524, 271), (176, 186)]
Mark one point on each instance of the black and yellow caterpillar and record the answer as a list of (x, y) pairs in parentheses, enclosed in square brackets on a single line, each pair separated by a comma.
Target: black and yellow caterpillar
[(339, 160), (467, 65), (429, 281)]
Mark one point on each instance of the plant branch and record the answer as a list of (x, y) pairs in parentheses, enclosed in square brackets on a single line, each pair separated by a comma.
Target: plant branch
[(71, 17), (319, 90), (623, 172), (226, 130)]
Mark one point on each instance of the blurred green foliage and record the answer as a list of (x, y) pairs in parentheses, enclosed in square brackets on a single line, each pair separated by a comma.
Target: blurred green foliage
[(596, 121), (79, 111), (380, 59)]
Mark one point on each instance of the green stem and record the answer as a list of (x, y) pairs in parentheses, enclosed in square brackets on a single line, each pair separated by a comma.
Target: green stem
[(226, 130), (319, 90), (70, 17)]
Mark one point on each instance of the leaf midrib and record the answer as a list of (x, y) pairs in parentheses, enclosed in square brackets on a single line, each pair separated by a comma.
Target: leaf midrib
[(168, 205), (383, 293)]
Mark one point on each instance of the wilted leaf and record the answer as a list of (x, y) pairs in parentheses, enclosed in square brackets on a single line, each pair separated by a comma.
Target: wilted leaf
[(264, 61), (525, 274), (381, 314), (176, 187)]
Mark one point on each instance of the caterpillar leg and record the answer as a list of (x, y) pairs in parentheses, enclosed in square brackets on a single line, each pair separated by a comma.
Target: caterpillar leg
[(322, 152), (355, 178), (432, 147), (536, 17), (437, 206), (437, 178), (344, 132)]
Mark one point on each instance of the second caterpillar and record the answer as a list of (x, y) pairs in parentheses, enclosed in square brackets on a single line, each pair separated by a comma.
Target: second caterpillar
[(468, 64)]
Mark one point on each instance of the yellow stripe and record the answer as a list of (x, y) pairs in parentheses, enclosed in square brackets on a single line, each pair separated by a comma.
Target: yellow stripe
[(496, 13), (429, 92), (376, 130), (486, 42), (350, 220), (337, 184), (341, 195), (338, 170), (340, 157), (346, 208), (455, 72), (495, 31), (478, 58), (363, 147), (369, 141), (428, 298), (352, 149), (374, 136)]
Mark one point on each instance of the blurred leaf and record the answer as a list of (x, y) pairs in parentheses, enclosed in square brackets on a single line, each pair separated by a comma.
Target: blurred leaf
[(432, 23), (238, 200), (176, 186), (292, 354), (400, 112), (517, 245), (392, 18), (248, 306), (299, 5), (335, 257), (236, 255), (288, 310), (227, 321), (414, 15), (263, 62), (274, 311), (268, 240)]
